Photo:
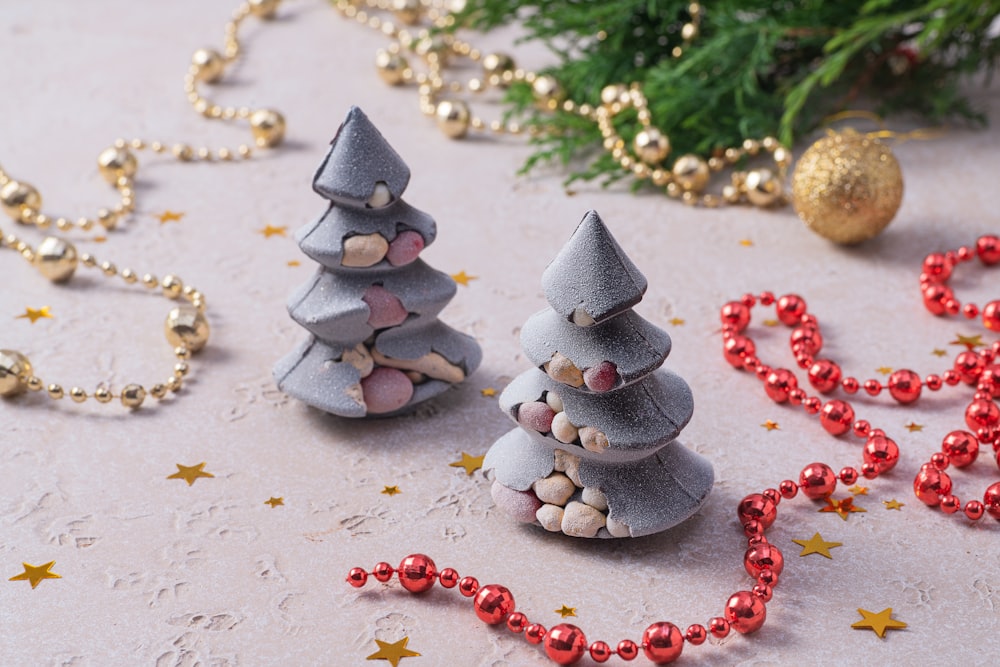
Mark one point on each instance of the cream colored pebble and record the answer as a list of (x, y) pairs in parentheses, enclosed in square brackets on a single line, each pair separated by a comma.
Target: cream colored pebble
[(364, 250), (563, 459), (563, 429), (593, 440), (573, 471), (562, 370), (581, 520), (550, 517), (360, 358), (554, 489), (380, 196), (431, 364), (554, 400), (617, 528), (582, 318), (595, 498)]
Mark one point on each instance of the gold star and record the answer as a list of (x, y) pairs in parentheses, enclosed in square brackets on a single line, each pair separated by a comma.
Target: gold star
[(884, 370), (771, 425), (35, 314), (858, 490), (770, 323), (677, 321), (938, 352), (470, 463), (35, 573), (100, 239), (879, 622), (274, 502), (169, 216), (842, 507), (391, 490), (913, 428), (294, 262), (271, 230), (462, 278), (393, 652), (566, 612), (746, 243), (817, 545), (893, 504), (971, 342), (488, 392), (190, 473)]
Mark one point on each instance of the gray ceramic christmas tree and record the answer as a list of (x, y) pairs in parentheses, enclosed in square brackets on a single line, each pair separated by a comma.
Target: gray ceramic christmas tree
[(595, 452), (376, 346)]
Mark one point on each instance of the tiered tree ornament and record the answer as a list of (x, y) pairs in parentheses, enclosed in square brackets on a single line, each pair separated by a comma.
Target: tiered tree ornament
[(595, 452), (376, 346)]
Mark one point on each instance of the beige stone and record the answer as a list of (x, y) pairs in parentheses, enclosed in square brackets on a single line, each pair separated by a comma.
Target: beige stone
[(364, 250), (431, 364), (595, 498), (381, 196), (360, 358), (563, 429), (563, 459), (593, 440), (554, 400), (562, 370), (582, 520), (550, 517), (573, 471), (617, 528), (554, 489)]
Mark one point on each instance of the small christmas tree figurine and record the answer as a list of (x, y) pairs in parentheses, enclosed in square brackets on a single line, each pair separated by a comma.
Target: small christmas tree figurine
[(595, 454), (376, 346)]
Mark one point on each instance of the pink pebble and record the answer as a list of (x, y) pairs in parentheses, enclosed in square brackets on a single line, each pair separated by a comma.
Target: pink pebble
[(535, 415), (602, 377), (385, 390), (405, 248), (518, 505), (385, 308)]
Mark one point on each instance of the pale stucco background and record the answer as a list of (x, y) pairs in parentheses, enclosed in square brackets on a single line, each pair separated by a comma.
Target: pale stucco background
[(156, 572)]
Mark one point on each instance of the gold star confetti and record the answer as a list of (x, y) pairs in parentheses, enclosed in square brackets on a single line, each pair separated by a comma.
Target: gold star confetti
[(35, 314), (842, 507), (294, 262), (488, 392), (390, 490), (913, 428), (271, 230), (470, 463), (893, 504), (858, 490), (971, 342), (190, 473), (938, 352), (884, 370), (677, 321), (771, 425), (566, 612), (746, 243), (274, 502), (462, 278), (35, 573), (100, 239), (817, 545), (878, 623), (393, 652), (169, 216), (770, 323)]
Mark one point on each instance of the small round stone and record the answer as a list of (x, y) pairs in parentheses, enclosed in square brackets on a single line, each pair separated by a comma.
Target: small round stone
[(133, 395), (381, 196), (593, 440), (617, 528), (550, 516), (386, 390), (561, 369), (602, 377), (535, 415), (405, 248), (595, 498), (385, 308), (563, 429), (582, 520), (364, 250), (555, 489), (518, 505), (554, 400)]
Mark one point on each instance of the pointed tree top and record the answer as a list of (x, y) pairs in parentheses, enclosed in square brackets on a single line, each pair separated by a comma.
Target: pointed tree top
[(591, 279), (358, 159)]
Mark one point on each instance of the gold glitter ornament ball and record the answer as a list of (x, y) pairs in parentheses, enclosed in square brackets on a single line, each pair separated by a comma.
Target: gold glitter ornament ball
[(847, 187)]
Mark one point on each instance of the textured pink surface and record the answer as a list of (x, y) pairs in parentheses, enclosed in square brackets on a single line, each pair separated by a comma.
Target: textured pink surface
[(159, 573)]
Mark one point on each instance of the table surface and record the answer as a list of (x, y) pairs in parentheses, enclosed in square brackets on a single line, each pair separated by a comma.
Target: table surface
[(155, 571)]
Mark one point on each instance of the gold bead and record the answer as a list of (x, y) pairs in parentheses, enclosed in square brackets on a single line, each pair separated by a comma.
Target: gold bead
[(78, 395), (689, 32), (182, 352), (150, 281), (453, 118), (35, 383), (181, 369), (651, 145), (172, 286), (188, 327), (263, 9), (17, 197), (495, 64), (55, 391), (158, 391), (182, 152), (15, 369), (109, 269), (763, 187), (102, 395), (174, 384), (133, 395), (114, 163), (691, 173), (407, 11), (546, 88), (107, 219), (391, 67), (611, 94), (731, 194), (88, 260), (209, 65), (128, 275), (56, 259), (267, 127)]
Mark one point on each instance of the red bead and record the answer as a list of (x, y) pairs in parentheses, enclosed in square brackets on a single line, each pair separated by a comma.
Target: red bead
[(862, 428), (982, 414), (763, 591), (534, 633), (812, 405), (718, 626), (627, 649), (768, 577), (806, 339), (930, 485), (824, 375), (753, 528), (990, 380), (754, 540), (935, 297), (745, 612), (766, 298), (991, 316), (762, 371), (933, 382), (937, 267), (950, 504), (778, 383), (951, 378), (850, 385), (961, 447), (974, 510), (817, 481), (735, 315), (988, 249), (904, 386), (662, 643), (757, 507), (965, 253), (869, 471), (848, 475), (788, 488), (873, 387), (565, 644), (969, 366), (357, 577), (416, 573), (468, 586), (772, 495), (796, 396), (382, 572), (517, 622), (600, 652), (970, 310), (448, 577), (763, 556), (748, 300), (492, 603), (882, 452), (837, 417), (751, 363), (790, 309), (991, 501), (696, 634), (736, 349), (952, 306)]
